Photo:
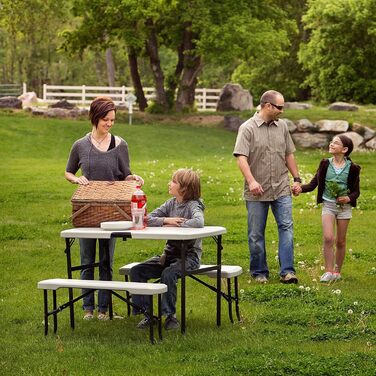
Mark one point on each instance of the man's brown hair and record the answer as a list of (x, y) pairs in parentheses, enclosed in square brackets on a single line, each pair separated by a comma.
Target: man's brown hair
[(189, 182), (99, 108)]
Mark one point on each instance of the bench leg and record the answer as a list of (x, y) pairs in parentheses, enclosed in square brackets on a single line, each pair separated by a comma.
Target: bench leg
[(229, 300), (128, 296), (55, 312), (237, 298), (151, 316), (71, 308), (159, 316), (45, 298)]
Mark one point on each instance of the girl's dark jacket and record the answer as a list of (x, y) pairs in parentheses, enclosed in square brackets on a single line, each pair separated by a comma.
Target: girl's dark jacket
[(319, 180)]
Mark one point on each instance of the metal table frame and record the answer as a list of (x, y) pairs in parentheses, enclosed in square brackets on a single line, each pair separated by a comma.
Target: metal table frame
[(150, 233)]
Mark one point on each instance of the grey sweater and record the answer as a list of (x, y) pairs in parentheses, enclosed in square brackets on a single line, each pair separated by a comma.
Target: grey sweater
[(111, 165), (192, 210)]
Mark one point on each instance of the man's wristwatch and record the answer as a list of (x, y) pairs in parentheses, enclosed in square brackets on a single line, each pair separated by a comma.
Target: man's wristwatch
[(297, 179)]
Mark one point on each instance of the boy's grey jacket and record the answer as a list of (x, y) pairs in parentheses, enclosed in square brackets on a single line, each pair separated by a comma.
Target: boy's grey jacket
[(193, 211)]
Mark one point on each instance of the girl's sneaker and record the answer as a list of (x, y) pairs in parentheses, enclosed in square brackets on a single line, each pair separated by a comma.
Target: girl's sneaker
[(326, 277), (336, 276)]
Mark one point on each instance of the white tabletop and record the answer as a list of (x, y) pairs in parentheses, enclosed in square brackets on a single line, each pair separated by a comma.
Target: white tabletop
[(172, 233)]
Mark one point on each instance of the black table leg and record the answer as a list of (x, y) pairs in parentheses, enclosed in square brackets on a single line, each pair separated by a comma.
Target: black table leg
[(219, 263), (68, 243), (183, 289)]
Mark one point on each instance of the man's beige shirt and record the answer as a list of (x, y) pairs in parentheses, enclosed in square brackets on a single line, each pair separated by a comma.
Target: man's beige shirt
[(266, 147)]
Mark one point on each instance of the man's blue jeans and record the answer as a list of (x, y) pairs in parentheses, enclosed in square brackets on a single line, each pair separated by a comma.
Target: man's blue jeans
[(168, 273), (257, 216), (87, 252)]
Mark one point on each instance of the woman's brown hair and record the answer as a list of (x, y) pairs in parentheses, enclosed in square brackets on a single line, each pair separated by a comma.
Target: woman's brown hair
[(189, 182), (99, 108)]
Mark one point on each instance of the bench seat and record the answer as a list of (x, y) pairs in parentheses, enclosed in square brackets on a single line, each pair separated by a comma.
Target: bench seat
[(227, 271), (150, 289)]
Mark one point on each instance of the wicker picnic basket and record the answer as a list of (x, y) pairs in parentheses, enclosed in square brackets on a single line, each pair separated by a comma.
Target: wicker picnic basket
[(102, 201)]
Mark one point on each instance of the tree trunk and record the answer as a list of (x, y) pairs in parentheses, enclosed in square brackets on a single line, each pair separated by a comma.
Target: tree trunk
[(192, 67), (110, 67), (155, 65), (136, 80), (172, 80)]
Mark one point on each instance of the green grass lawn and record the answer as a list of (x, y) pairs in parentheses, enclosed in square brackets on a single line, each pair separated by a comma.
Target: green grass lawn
[(308, 329)]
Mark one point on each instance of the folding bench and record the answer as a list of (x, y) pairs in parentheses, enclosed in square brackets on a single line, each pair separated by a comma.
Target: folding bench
[(227, 271), (130, 288)]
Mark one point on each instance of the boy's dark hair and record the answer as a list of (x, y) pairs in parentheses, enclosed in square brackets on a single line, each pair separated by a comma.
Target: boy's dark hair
[(189, 182), (347, 143), (99, 108)]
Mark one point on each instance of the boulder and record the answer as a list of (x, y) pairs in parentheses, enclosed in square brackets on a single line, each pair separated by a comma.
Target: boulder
[(335, 126), (371, 144), (305, 125), (232, 123), (310, 140), (63, 104), (290, 125), (298, 106), (10, 102), (28, 99), (343, 106), (364, 131), (234, 98), (356, 138), (57, 113)]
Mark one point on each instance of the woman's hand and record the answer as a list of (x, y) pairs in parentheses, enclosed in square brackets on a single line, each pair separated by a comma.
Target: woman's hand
[(135, 177), (173, 221), (76, 180), (343, 200), (81, 180)]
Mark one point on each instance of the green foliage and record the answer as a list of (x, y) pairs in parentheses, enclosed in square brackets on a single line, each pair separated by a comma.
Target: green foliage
[(340, 53), (335, 190)]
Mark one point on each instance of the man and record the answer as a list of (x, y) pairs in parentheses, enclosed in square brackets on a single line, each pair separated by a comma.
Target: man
[(264, 151)]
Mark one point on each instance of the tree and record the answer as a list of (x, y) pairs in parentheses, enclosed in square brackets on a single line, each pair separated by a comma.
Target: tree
[(341, 52)]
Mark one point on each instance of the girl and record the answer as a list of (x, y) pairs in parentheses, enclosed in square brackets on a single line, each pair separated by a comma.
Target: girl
[(337, 179), (185, 209)]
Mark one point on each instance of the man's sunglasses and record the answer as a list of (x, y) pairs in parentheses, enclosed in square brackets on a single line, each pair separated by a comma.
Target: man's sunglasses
[(280, 108)]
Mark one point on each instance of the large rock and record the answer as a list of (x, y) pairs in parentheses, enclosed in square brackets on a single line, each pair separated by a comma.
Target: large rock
[(28, 99), (343, 106), (310, 140), (10, 102), (356, 138), (290, 125), (232, 123), (63, 104), (371, 144), (234, 98), (365, 132), (298, 106), (305, 125), (335, 126)]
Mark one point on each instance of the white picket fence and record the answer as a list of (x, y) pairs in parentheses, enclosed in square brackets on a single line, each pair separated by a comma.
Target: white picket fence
[(206, 99)]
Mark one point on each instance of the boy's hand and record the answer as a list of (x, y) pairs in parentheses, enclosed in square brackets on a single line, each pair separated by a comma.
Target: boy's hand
[(173, 221)]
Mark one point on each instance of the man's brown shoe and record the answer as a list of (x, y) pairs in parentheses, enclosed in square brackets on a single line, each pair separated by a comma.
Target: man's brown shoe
[(289, 278)]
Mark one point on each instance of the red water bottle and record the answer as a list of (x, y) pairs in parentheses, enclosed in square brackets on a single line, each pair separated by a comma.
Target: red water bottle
[(138, 209)]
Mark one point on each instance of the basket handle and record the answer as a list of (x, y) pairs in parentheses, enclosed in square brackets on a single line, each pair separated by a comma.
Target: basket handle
[(79, 211), (122, 212)]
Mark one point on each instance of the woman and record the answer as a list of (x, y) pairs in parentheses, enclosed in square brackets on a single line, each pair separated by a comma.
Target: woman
[(100, 156)]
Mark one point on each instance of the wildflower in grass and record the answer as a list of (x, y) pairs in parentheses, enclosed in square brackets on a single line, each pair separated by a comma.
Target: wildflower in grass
[(308, 289), (337, 292), (273, 241), (314, 280), (276, 257), (355, 303), (301, 287), (350, 311), (322, 267), (242, 291), (301, 211), (231, 190), (297, 245), (316, 262)]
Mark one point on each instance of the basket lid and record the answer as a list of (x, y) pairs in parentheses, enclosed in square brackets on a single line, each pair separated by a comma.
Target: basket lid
[(104, 191)]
